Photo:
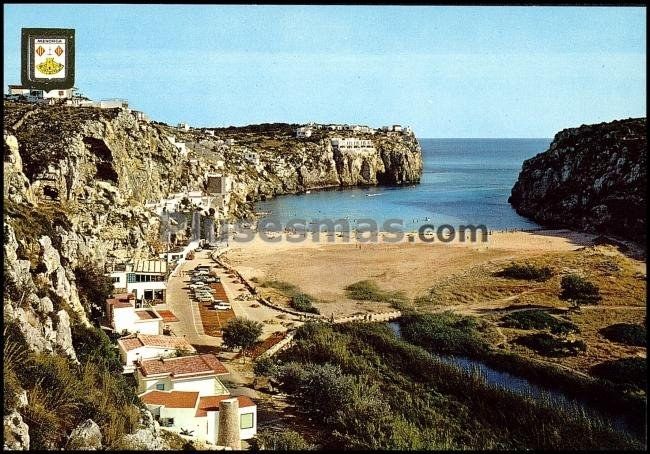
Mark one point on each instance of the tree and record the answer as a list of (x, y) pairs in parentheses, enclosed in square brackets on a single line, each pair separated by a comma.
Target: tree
[(579, 290), (94, 288), (241, 332)]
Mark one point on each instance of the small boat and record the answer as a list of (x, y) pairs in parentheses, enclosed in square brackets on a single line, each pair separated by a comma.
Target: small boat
[(307, 192), (373, 195)]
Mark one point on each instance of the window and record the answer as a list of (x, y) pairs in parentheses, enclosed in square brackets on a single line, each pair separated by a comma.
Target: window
[(160, 386), (246, 421), (115, 279), (130, 278)]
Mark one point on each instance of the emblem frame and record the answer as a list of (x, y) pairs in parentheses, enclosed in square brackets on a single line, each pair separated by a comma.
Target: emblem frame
[(28, 78)]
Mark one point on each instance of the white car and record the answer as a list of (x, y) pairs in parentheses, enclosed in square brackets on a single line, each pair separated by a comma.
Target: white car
[(222, 306), (197, 285)]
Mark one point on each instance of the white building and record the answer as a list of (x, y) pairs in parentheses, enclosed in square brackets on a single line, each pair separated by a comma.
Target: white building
[(351, 143), (138, 347), (111, 104), (184, 126), (252, 157), (185, 393), (187, 411), (40, 94), (146, 279), (125, 314), (187, 373), (303, 132), (140, 116)]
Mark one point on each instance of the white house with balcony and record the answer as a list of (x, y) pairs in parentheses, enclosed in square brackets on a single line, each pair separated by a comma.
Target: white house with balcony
[(146, 279), (185, 394), (137, 347)]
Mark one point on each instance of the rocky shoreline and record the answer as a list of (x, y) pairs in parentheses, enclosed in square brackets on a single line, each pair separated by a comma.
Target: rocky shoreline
[(592, 178)]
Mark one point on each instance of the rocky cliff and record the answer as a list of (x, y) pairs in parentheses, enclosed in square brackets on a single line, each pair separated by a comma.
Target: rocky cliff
[(76, 181), (592, 178)]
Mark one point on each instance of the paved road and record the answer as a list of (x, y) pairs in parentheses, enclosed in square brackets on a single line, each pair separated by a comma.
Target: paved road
[(186, 309)]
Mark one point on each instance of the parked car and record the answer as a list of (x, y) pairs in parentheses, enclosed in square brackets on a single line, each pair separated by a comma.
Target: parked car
[(197, 285), (210, 279), (195, 279), (221, 306), (205, 298), (198, 249), (202, 294)]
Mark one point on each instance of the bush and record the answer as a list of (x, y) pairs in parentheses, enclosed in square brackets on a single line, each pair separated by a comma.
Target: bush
[(526, 271), (538, 319), (579, 290), (241, 333), (368, 290), (625, 333), (264, 366), (94, 288), (302, 302), (93, 345), (272, 440), (446, 333), (548, 345), (627, 371)]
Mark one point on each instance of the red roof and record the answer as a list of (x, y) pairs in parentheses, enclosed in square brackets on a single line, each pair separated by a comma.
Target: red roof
[(207, 364), (211, 403), (132, 342), (171, 399), (147, 314)]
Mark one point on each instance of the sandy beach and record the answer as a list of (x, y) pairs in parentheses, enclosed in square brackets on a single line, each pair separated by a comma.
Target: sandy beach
[(324, 266)]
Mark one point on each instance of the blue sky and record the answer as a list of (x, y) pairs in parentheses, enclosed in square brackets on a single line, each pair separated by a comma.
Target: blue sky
[(446, 71)]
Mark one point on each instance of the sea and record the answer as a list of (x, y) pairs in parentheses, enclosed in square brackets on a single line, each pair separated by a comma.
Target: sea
[(464, 182)]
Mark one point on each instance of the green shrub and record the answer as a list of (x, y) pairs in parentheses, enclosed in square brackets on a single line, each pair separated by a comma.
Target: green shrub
[(548, 345), (241, 333), (627, 371), (93, 345), (284, 287), (94, 288), (526, 271), (286, 440), (538, 319), (446, 333), (264, 366), (625, 333), (302, 302), (366, 389), (368, 290), (579, 290)]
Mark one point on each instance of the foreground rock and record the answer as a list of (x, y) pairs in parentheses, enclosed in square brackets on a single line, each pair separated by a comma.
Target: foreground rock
[(592, 178), (85, 437)]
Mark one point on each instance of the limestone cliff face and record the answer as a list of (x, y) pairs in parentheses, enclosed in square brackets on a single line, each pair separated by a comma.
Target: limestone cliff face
[(592, 178), (76, 181)]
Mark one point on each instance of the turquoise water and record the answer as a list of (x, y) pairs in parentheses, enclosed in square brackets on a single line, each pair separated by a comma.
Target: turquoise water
[(465, 181)]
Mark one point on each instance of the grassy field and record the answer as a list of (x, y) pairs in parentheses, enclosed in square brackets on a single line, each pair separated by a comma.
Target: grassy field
[(484, 291)]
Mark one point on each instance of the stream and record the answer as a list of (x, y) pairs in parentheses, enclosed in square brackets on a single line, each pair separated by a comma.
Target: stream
[(524, 387)]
